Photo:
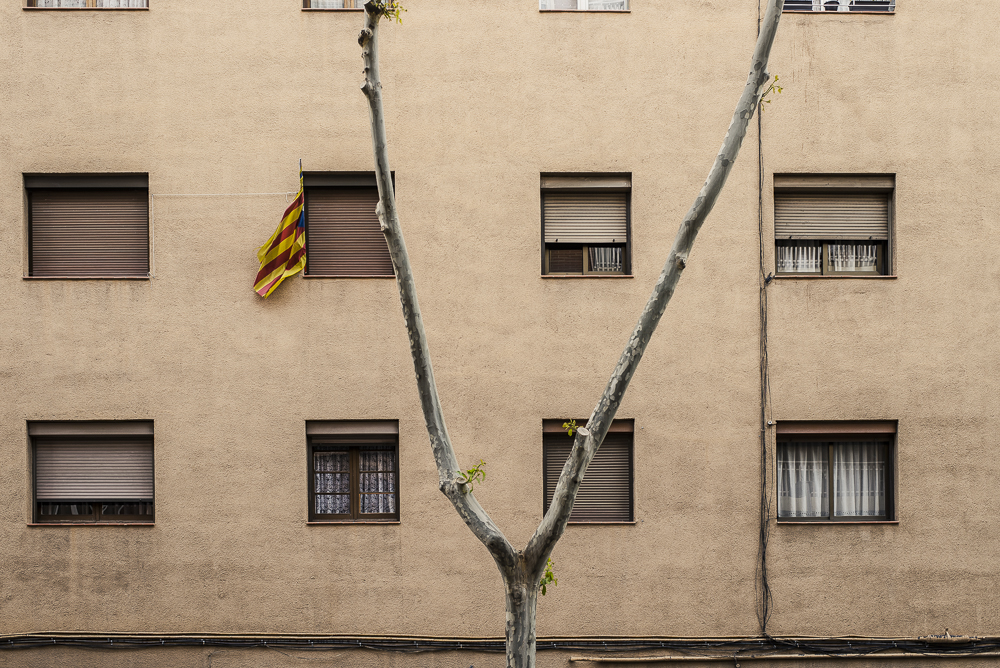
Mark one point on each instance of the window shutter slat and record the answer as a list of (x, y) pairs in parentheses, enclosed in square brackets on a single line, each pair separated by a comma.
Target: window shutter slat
[(585, 218), (854, 216), (605, 495), (343, 237), (89, 233), (69, 470)]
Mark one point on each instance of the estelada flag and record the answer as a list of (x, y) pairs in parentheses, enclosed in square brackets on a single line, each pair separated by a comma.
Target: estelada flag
[(284, 254)]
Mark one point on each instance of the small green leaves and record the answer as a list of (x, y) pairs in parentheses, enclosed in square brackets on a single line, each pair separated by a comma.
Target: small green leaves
[(389, 9), (570, 426), (773, 87), (470, 476), (549, 578)]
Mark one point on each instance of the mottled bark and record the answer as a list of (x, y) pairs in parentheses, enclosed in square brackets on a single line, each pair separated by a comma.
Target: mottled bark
[(522, 571)]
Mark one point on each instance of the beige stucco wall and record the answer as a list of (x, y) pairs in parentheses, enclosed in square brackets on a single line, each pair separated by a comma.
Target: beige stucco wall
[(224, 98)]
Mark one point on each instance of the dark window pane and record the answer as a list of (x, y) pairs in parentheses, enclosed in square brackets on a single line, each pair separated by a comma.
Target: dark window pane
[(565, 260)]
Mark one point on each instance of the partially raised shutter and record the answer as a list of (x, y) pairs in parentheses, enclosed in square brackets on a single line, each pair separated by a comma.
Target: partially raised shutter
[(849, 216), (585, 217), (605, 495), (343, 237), (78, 469), (102, 233)]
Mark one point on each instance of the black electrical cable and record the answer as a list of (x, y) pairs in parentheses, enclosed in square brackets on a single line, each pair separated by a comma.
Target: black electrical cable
[(762, 587)]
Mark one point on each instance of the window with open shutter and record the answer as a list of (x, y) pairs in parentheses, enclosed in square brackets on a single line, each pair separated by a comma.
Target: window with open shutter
[(833, 225), (93, 471), (605, 495), (585, 224), (88, 225), (343, 236)]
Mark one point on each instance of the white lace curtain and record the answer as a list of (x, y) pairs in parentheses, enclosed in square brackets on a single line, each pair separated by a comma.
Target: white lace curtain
[(332, 482), (799, 259), (858, 479), (377, 480), (599, 5), (605, 258), (336, 4), (93, 3), (853, 257)]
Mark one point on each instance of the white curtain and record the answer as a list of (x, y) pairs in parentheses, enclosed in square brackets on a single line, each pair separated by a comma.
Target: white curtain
[(859, 479), (377, 472), (326, 4), (332, 483), (853, 257), (598, 5), (803, 482), (799, 259), (605, 258)]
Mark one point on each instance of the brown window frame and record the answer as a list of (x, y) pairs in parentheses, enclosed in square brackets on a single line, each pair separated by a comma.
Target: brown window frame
[(834, 185), (832, 433), (351, 436), (583, 183), (132, 186), (98, 433), (553, 431)]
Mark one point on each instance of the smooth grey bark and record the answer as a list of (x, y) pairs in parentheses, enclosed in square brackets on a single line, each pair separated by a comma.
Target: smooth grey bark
[(522, 570)]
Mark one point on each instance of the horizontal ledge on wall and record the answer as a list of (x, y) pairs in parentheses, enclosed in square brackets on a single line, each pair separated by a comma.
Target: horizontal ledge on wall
[(591, 276), (350, 522), (800, 277), (333, 9), (836, 522), (584, 11), (778, 657), (358, 276), (583, 524), (87, 278), (91, 524), (793, 11)]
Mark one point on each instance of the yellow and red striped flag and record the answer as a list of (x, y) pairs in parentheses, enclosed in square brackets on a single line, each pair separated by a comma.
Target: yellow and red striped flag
[(284, 254)]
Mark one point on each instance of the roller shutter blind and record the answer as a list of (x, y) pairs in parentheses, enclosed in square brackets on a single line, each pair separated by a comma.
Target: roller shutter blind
[(585, 217), (847, 216), (80, 469), (96, 232), (343, 237), (605, 495)]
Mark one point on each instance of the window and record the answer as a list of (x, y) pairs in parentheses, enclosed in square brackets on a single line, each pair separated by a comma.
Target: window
[(92, 471), (353, 470), (584, 5), (333, 4), (832, 225), (343, 236), (840, 5), (88, 225), (586, 224), (605, 495), (848, 463), (90, 4)]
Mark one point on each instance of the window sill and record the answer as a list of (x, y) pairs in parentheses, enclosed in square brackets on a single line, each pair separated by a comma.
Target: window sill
[(587, 275), (91, 524), (86, 9), (836, 522), (610, 523), (353, 276), (806, 11), (350, 522), (333, 9), (837, 277), (584, 11), (86, 278)]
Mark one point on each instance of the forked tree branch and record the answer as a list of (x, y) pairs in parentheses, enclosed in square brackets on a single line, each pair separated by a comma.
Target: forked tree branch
[(451, 485), (589, 439)]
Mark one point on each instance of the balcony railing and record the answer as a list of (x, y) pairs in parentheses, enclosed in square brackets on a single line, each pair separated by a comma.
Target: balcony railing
[(90, 4), (840, 5)]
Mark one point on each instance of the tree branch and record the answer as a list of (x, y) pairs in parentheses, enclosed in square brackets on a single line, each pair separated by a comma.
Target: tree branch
[(588, 440), (444, 455)]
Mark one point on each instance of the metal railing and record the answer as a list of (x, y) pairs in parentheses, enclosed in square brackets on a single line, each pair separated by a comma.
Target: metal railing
[(840, 5)]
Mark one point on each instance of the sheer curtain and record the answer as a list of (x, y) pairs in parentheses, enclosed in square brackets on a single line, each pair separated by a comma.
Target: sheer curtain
[(853, 257), (803, 480), (859, 479), (326, 4), (332, 484), (799, 259), (377, 472)]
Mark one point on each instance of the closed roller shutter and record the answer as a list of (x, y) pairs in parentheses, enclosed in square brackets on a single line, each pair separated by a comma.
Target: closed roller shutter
[(343, 237), (605, 495), (77, 469), (585, 218), (848, 216), (103, 233)]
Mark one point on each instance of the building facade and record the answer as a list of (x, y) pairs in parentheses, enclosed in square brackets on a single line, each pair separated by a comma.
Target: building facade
[(187, 463)]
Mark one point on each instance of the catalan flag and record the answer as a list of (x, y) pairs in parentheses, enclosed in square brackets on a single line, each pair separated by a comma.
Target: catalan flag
[(284, 254)]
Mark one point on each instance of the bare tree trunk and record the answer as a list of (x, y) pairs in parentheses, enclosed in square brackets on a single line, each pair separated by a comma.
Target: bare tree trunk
[(522, 571)]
